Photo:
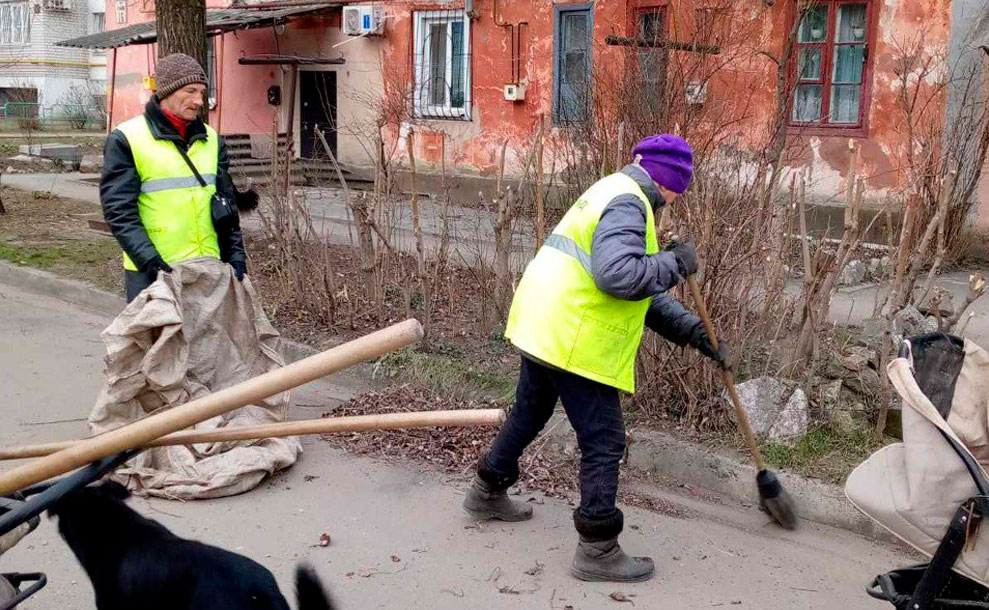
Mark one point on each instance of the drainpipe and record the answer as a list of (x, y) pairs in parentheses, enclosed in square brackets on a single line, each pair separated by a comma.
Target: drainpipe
[(516, 64), (112, 92), (219, 83)]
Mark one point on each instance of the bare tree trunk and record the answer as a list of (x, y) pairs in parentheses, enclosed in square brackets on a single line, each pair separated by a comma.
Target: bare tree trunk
[(420, 249), (902, 255), (919, 255), (503, 240), (181, 26)]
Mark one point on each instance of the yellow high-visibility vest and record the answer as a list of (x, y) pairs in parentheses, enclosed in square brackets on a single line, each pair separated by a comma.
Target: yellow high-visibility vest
[(174, 207), (559, 315)]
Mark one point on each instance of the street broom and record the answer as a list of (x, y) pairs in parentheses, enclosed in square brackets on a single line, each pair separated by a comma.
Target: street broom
[(772, 497)]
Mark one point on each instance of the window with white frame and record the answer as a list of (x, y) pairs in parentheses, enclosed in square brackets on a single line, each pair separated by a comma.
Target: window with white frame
[(442, 65), (97, 25), (15, 23)]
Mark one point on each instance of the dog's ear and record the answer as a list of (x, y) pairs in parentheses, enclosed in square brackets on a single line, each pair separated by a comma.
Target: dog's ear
[(115, 490)]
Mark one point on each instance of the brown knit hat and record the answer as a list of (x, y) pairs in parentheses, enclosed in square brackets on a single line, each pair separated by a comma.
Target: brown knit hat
[(176, 71)]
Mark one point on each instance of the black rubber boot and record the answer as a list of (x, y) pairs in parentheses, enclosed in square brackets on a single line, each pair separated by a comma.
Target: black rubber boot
[(485, 502), (605, 561)]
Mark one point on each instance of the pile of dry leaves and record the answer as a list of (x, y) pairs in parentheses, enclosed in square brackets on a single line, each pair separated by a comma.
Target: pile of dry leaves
[(544, 467), (454, 450)]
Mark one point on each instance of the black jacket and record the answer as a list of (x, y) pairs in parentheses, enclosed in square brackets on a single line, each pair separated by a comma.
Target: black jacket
[(622, 269), (120, 186)]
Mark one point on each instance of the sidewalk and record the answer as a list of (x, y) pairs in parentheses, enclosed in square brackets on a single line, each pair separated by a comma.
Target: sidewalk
[(84, 187), (471, 241), (38, 135), (471, 230)]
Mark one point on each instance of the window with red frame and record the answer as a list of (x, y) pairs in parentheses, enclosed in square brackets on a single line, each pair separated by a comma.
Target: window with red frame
[(831, 51)]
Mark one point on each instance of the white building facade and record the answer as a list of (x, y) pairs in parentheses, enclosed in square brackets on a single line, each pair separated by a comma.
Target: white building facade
[(34, 71)]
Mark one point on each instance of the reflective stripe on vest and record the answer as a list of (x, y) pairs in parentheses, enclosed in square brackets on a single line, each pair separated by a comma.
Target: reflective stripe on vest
[(561, 317), (164, 184), (569, 247), (173, 206)]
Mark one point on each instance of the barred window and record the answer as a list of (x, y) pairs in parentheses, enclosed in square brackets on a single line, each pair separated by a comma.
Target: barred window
[(15, 23), (442, 65)]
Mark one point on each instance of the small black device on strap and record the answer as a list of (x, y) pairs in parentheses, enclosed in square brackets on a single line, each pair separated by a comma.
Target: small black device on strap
[(220, 208)]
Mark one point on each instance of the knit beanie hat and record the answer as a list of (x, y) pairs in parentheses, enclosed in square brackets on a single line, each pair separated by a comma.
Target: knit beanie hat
[(667, 159), (176, 71)]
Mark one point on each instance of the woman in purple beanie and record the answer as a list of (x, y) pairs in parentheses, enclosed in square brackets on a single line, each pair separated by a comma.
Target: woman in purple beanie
[(578, 316)]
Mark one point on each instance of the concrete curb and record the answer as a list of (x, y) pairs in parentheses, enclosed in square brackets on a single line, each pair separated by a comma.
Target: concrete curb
[(71, 291), (654, 452), (661, 453), (673, 460)]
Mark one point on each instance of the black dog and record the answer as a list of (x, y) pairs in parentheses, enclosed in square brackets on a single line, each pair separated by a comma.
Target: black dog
[(134, 562)]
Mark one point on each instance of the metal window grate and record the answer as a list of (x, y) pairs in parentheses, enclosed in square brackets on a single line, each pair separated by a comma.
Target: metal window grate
[(442, 65), (15, 23)]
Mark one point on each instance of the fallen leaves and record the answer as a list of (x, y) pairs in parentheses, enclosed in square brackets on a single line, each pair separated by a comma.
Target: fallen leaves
[(454, 450), (620, 597)]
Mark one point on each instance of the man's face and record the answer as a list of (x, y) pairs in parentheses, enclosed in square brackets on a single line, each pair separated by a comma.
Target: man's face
[(668, 195), (186, 102)]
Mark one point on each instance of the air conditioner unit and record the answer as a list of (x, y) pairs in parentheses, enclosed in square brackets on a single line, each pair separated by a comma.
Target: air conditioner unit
[(363, 20), (58, 5)]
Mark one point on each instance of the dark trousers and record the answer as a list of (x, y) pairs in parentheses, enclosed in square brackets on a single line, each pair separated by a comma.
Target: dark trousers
[(135, 282), (595, 412)]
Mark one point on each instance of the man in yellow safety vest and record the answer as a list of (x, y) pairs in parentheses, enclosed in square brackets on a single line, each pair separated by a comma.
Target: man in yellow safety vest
[(165, 188), (577, 317)]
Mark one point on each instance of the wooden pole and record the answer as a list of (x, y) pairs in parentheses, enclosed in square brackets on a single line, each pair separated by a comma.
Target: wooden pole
[(741, 417), (191, 413), (328, 425)]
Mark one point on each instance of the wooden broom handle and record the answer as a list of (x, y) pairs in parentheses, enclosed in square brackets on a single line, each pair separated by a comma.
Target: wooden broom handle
[(740, 415), (142, 432), (326, 425)]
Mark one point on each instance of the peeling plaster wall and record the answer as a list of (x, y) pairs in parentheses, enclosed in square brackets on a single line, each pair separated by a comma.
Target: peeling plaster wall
[(745, 89), (474, 146)]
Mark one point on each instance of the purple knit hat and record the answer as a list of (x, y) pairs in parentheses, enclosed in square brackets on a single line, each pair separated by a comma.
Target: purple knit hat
[(667, 159)]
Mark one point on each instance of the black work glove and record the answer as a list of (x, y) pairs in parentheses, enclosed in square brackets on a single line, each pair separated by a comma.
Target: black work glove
[(154, 265), (721, 355), (686, 257), (240, 269)]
